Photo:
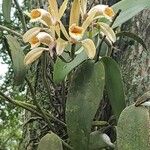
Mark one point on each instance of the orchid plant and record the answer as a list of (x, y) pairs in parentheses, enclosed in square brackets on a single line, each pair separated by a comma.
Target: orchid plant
[(75, 49), (79, 34)]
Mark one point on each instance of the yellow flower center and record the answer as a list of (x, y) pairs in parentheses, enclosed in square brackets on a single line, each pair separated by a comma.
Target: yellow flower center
[(76, 29), (34, 40), (109, 12), (35, 14)]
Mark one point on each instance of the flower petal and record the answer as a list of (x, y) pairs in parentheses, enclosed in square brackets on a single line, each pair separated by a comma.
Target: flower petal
[(63, 29), (33, 55), (45, 38), (60, 46), (54, 9), (88, 20), (31, 33), (63, 8), (75, 13), (83, 7), (99, 9), (89, 47), (108, 31)]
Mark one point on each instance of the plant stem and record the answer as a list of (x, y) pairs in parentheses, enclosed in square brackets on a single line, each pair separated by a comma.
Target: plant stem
[(21, 16), (10, 30), (72, 54)]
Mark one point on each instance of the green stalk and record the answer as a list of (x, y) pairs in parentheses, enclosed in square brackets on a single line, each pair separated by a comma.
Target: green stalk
[(3, 28), (22, 18)]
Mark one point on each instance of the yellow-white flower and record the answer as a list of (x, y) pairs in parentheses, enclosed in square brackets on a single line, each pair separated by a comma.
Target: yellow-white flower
[(76, 32), (35, 37), (42, 16), (102, 10)]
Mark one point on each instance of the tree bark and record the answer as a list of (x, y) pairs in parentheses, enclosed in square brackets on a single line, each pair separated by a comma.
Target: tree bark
[(135, 60)]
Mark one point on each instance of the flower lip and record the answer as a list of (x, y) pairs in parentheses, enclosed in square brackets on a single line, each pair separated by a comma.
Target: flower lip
[(76, 29), (109, 12), (34, 40), (35, 13), (76, 32)]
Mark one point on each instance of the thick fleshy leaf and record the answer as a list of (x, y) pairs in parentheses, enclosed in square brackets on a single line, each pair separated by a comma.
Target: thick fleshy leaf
[(108, 31), (6, 8), (114, 85), (89, 48), (99, 140), (75, 12), (62, 69), (85, 93), (17, 57), (63, 8), (133, 130), (33, 55), (50, 142), (129, 8), (133, 36)]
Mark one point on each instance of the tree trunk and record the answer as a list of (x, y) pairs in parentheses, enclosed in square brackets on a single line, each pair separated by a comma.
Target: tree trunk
[(135, 61)]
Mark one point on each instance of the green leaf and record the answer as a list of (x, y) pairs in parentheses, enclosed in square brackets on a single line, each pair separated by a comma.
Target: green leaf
[(129, 8), (17, 57), (62, 69), (50, 142), (133, 36), (6, 9), (133, 129), (85, 93), (99, 140), (114, 85)]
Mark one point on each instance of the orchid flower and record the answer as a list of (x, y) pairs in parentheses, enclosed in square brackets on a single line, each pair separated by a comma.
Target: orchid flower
[(43, 16), (76, 32), (102, 10), (36, 37)]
